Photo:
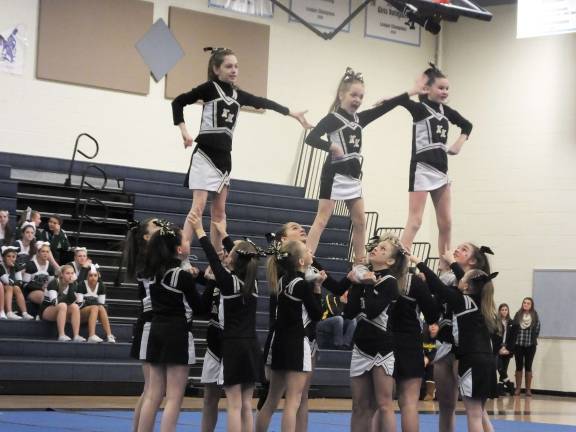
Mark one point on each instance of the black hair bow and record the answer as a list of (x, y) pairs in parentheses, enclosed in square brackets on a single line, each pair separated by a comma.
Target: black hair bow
[(484, 278), (214, 50), (486, 250), (350, 75), (257, 253)]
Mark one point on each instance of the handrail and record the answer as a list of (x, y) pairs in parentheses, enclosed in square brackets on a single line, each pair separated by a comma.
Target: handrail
[(68, 181)]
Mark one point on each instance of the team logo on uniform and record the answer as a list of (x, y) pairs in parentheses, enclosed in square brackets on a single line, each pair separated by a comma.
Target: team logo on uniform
[(226, 114), (354, 141), (441, 131)]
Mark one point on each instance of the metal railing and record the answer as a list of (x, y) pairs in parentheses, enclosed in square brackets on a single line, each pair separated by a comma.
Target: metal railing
[(434, 264), (68, 181), (81, 203), (308, 173)]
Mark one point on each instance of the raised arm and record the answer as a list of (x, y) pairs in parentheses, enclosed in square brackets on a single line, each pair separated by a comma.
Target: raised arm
[(368, 116), (426, 302), (247, 99), (311, 300)]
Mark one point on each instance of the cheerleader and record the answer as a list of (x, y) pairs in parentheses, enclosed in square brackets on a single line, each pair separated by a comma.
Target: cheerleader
[(299, 305), (92, 298), (429, 162), (139, 234), (81, 263), (39, 271), (408, 340), (11, 282), (61, 304), (293, 231), (170, 349), (26, 245), (240, 350), (467, 256), (211, 162), (474, 316), (341, 173), (213, 357), (372, 366)]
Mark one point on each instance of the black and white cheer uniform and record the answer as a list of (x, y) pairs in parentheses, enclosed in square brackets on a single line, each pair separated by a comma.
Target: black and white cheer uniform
[(211, 162)]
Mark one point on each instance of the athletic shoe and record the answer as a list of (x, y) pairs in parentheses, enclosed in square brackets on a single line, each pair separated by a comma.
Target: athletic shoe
[(111, 339), (26, 316), (95, 339), (79, 339), (64, 338), (13, 316)]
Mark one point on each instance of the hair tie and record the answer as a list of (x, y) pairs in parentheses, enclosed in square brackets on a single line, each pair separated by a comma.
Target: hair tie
[(350, 75), (40, 244), (80, 249), (486, 250)]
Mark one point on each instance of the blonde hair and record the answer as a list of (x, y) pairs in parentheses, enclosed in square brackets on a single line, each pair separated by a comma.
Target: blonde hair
[(287, 259), (480, 283)]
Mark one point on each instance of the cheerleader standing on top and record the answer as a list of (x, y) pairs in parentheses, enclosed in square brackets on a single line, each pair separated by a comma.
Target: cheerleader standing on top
[(474, 316), (340, 178), (240, 349), (429, 161), (299, 306), (211, 162), (170, 349)]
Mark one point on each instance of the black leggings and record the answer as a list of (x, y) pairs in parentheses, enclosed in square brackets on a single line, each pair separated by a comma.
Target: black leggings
[(503, 362), (524, 356)]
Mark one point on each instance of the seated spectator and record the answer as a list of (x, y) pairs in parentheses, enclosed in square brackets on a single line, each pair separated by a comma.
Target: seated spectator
[(40, 270), (57, 238), (11, 281), (92, 298), (5, 229), (60, 304), (26, 245), (81, 264), (334, 331), (31, 216), (429, 345)]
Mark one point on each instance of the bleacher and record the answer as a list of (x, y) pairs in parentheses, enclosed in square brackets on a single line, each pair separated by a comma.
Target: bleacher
[(33, 362)]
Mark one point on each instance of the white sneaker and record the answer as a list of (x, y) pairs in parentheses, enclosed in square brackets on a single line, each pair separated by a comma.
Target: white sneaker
[(111, 339), (94, 339), (26, 316), (79, 339), (64, 338), (3, 315), (13, 316)]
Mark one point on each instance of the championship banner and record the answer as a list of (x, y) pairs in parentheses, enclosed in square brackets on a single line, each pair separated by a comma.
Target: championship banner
[(261, 8), (323, 13), (385, 22)]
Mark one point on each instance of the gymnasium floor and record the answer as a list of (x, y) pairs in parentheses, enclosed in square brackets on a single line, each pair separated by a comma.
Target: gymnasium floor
[(112, 414)]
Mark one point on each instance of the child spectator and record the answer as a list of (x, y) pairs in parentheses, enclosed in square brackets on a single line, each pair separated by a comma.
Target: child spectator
[(335, 331), (57, 237), (92, 298), (11, 282)]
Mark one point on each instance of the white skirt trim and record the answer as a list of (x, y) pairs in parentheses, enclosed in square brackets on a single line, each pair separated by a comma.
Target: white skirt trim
[(428, 178), (210, 368), (144, 341), (362, 362), (345, 188), (204, 175)]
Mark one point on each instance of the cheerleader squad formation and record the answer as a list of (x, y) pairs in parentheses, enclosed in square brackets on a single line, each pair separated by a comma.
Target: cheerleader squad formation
[(389, 295)]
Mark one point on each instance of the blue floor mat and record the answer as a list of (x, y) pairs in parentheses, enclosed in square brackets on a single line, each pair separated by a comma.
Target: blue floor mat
[(118, 421)]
